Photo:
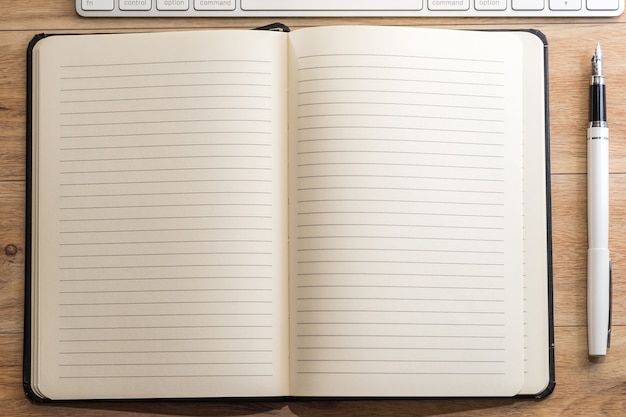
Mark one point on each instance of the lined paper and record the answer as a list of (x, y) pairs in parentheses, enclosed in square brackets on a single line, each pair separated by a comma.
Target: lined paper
[(172, 243), (167, 173), (405, 226)]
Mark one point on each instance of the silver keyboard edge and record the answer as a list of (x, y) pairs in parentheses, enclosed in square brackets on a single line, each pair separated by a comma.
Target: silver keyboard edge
[(424, 12)]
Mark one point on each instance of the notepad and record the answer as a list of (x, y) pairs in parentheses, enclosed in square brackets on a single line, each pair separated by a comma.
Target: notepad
[(332, 212)]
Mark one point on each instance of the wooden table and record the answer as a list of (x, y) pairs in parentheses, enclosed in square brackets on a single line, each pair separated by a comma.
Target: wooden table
[(584, 387)]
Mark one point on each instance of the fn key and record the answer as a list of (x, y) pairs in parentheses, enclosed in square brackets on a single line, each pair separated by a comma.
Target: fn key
[(97, 4)]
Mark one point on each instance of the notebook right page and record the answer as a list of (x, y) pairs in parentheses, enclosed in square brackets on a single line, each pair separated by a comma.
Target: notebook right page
[(406, 212)]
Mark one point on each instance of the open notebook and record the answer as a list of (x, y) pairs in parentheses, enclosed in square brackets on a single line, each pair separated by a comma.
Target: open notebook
[(335, 211)]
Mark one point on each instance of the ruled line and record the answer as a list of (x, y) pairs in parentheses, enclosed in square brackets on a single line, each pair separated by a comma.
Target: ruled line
[(184, 62), (166, 146), (89, 364), (397, 373), (163, 218), (412, 177), (144, 352), (169, 134), (379, 55), (152, 122), (153, 86), (96, 304), (406, 80), (398, 103), (172, 109), (357, 249), (167, 241), (181, 339), (160, 376), (162, 74)]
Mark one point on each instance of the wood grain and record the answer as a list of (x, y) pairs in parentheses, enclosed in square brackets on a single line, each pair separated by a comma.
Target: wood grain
[(584, 387)]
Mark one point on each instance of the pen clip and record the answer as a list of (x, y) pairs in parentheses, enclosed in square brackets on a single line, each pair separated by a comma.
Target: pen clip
[(608, 333)]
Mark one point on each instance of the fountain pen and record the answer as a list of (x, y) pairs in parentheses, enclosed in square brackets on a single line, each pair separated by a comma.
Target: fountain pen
[(598, 261)]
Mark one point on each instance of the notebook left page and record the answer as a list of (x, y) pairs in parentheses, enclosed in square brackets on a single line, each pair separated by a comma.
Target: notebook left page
[(159, 226)]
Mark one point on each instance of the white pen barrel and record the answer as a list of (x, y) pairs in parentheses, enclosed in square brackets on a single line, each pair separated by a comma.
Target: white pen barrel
[(598, 187), (598, 262)]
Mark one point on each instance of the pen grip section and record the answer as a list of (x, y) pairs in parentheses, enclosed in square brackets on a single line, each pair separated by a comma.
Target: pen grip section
[(597, 103)]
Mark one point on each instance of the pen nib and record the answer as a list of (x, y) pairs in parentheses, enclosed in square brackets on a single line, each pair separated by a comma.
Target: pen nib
[(596, 61)]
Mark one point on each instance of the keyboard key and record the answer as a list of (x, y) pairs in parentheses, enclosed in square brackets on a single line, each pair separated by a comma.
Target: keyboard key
[(448, 4), (331, 4), (135, 4), (527, 4), (565, 4), (602, 4), (214, 4), (490, 4), (97, 4), (172, 4)]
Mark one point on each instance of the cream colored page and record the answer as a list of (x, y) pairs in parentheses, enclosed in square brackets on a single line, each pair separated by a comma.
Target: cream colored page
[(536, 263), (163, 228), (406, 222)]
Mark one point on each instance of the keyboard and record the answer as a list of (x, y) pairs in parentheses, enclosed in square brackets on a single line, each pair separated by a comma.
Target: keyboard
[(404, 8)]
